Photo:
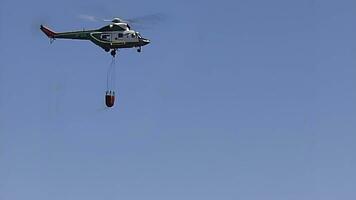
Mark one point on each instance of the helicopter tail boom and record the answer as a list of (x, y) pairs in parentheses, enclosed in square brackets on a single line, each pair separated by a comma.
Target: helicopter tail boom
[(76, 35)]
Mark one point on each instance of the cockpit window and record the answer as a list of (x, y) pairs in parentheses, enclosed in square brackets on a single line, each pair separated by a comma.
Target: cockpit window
[(138, 35), (133, 35)]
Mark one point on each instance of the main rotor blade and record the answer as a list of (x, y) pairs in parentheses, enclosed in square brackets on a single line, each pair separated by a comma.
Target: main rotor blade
[(147, 19), (140, 23), (89, 18)]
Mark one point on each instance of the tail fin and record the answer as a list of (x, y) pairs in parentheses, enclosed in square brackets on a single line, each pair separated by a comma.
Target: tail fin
[(48, 32)]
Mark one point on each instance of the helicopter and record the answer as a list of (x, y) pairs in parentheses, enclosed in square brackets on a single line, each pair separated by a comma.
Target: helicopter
[(111, 37)]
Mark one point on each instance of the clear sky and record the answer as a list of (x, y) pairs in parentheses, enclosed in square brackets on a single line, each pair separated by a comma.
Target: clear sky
[(245, 99)]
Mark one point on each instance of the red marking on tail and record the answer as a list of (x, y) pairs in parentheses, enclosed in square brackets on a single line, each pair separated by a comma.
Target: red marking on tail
[(48, 32)]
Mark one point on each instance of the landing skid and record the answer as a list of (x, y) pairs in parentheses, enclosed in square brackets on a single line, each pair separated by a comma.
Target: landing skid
[(114, 51)]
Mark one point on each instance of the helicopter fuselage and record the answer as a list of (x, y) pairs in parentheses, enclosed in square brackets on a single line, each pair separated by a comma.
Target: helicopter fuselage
[(111, 37)]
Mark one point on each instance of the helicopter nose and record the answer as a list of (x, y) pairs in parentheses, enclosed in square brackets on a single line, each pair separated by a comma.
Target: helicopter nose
[(145, 41)]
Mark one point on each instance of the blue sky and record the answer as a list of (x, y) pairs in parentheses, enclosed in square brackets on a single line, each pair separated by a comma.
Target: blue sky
[(231, 100)]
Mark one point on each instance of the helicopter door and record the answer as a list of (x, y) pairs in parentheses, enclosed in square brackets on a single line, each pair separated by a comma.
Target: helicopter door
[(106, 37), (119, 36)]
